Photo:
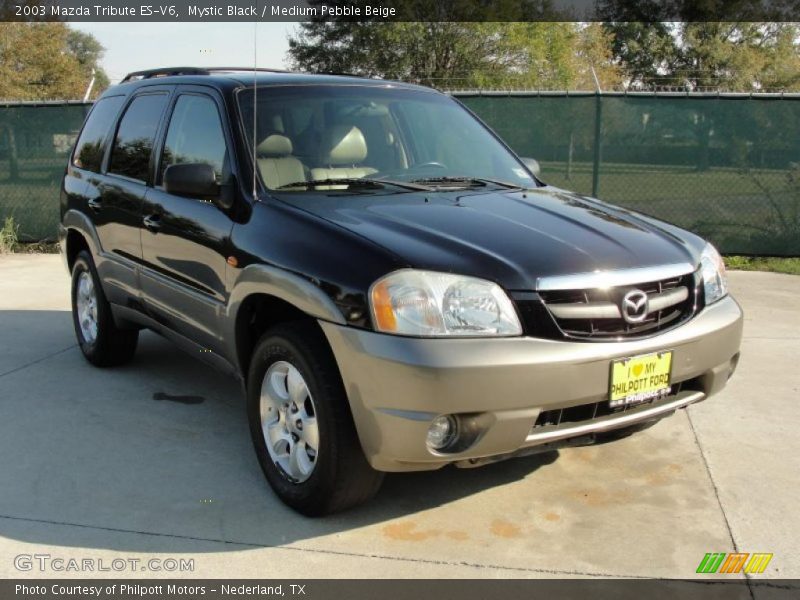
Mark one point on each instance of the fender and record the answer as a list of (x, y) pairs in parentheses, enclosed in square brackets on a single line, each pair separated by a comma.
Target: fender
[(78, 221), (119, 276), (272, 281)]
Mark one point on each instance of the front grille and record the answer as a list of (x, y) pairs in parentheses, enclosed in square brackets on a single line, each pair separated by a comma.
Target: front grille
[(595, 314), (564, 418)]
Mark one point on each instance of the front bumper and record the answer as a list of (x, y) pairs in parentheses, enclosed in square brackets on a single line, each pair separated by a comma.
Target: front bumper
[(397, 385)]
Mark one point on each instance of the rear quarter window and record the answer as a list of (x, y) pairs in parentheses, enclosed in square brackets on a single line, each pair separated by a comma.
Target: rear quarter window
[(91, 145)]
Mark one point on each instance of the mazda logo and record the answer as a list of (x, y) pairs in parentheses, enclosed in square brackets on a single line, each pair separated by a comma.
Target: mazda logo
[(635, 306)]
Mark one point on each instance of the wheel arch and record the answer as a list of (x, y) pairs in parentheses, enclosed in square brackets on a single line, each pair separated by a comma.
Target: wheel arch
[(265, 296), (79, 234), (75, 242)]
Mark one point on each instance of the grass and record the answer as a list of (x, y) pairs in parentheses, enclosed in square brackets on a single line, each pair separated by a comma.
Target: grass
[(9, 240), (37, 248), (763, 263), (655, 183), (755, 212), (33, 204)]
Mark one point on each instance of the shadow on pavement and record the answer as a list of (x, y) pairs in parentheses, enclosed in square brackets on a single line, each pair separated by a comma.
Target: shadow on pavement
[(160, 446)]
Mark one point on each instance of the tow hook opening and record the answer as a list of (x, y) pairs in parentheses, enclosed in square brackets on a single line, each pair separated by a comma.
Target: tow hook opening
[(734, 363)]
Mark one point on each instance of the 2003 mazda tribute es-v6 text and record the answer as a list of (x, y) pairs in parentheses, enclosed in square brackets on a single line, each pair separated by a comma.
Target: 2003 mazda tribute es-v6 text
[(395, 288)]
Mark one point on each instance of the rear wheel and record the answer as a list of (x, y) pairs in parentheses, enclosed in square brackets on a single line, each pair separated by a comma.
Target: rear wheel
[(101, 341), (301, 424)]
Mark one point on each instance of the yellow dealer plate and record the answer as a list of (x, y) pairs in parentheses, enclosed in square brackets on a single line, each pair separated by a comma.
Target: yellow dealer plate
[(640, 378)]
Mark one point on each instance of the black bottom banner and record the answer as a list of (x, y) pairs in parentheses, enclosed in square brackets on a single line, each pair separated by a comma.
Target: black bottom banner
[(385, 589)]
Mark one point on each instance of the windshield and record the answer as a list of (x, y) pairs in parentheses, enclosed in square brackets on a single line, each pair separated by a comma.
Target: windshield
[(311, 137)]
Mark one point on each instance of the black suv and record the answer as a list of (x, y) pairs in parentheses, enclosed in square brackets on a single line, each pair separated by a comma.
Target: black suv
[(394, 287)]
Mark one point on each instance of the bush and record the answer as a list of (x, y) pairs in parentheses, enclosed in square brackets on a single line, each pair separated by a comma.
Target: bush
[(9, 240)]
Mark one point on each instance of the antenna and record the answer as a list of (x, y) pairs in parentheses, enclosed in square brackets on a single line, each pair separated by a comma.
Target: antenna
[(596, 80), (89, 87), (255, 102)]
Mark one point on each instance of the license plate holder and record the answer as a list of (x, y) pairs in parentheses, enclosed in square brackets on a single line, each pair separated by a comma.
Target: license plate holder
[(639, 379)]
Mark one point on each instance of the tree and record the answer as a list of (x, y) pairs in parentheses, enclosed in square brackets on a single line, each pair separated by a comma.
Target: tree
[(88, 52), (738, 56), (675, 44), (645, 52), (532, 55), (428, 53), (42, 61), (595, 57)]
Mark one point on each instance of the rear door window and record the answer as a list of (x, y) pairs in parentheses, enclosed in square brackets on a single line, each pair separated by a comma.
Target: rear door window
[(91, 144), (133, 144)]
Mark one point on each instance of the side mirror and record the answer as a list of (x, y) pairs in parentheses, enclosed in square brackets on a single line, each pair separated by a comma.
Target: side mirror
[(196, 180), (533, 166)]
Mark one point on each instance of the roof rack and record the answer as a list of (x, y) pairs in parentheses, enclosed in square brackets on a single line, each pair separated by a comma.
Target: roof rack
[(167, 71)]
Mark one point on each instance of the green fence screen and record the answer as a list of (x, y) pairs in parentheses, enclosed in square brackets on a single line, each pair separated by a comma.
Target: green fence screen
[(726, 167), (35, 141)]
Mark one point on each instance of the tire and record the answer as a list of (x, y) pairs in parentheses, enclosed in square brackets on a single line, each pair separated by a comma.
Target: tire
[(315, 481), (101, 341)]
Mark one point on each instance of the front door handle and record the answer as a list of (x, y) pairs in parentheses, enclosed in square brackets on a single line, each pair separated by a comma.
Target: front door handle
[(95, 204), (152, 223)]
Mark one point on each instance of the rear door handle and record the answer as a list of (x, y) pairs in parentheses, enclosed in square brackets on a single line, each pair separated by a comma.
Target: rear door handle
[(95, 204), (152, 222)]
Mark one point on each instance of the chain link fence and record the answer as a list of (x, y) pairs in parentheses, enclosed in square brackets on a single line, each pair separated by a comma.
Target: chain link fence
[(35, 141), (726, 166)]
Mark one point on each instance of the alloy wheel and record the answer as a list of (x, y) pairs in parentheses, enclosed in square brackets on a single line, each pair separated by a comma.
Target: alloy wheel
[(289, 421)]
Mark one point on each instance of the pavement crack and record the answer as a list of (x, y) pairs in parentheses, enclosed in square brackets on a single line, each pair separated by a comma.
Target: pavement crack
[(717, 495), (37, 361), (329, 552)]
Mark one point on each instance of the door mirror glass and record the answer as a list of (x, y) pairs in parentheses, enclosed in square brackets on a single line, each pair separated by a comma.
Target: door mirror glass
[(533, 166), (195, 180)]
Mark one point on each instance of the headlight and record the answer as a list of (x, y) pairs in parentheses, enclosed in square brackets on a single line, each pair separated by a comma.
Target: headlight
[(715, 280), (427, 303)]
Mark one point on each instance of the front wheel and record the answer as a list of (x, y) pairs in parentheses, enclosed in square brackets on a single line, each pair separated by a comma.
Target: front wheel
[(301, 424)]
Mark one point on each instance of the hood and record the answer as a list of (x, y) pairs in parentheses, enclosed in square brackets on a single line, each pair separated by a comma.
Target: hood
[(511, 237)]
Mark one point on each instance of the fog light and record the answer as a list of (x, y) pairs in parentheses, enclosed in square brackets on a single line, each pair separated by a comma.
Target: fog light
[(442, 432)]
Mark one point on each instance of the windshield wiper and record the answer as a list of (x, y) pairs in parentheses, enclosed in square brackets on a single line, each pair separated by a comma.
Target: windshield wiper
[(355, 182), (465, 181)]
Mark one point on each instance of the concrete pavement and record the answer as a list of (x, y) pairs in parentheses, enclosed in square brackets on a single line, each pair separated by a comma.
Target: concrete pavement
[(154, 460)]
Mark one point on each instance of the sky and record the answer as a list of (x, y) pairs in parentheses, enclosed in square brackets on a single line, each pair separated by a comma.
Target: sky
[(138, 46)]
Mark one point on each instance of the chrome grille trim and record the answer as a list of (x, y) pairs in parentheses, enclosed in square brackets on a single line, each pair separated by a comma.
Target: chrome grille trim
[(604, 279), (595, 314), (609, 310), (614, 421), (668, 298), (587, 310)]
